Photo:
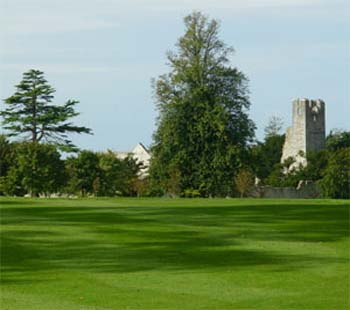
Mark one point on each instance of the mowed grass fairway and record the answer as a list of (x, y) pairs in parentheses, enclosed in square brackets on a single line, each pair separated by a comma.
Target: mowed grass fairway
[(174, 254)]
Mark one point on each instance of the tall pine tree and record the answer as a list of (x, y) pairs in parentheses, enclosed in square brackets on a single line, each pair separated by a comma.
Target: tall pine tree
[(203, 126), (31, 115)]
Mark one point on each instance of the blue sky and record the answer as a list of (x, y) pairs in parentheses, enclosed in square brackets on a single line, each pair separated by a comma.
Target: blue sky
[(104, 53)]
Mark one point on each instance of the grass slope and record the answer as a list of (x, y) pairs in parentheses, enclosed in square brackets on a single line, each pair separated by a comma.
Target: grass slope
[(174, 254)]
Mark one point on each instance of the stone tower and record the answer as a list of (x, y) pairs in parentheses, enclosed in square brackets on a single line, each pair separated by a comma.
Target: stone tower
[(308, 131)]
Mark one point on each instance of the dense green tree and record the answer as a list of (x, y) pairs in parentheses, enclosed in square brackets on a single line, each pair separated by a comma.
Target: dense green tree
[(273, 127), (279, 177), (317, 162), (36, 169), (83, 171), (118, 176), (131, 177), (266, 155), (31, 115), (102, 174), (7, 159), (110, 171), (7, 153), (282, 176), (336, 179), (203, 124), (338, 139)]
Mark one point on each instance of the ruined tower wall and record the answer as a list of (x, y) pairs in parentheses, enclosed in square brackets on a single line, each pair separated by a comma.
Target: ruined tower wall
[(307, 132), (315, 125), (298, 127)]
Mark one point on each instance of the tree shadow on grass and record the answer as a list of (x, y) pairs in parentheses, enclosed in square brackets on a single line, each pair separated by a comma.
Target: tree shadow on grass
[(187, 239)]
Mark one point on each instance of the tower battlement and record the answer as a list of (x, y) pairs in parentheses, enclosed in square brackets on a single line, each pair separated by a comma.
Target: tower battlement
[(308, 131)]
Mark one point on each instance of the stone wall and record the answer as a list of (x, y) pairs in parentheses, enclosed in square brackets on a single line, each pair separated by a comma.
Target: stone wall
[(305, 190)]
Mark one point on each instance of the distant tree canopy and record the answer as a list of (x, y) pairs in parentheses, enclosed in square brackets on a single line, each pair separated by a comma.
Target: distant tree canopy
[(30, 115), (7, 153), (329, 167), (338, 139), (33, 164), (35, 168), (273, 127), (203, 144), (38, 169), (266, 155), (336, 176), (203, 126), (101, 174)]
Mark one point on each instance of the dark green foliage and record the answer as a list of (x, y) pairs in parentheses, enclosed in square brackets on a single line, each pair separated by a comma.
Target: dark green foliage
[(102, 174), (83, 171), (329, 168), (7, 153), (338, 139), (30, 115), (130, 184), (36, 169), (141, 187), (9, 184), (273, 127), (203, 125), (336, 180), (266, 155), (118, 177), (280, 178), (111, 173), (316, 164)]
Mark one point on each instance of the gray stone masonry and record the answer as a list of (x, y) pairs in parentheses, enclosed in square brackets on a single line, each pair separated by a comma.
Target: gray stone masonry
[(308, 131)]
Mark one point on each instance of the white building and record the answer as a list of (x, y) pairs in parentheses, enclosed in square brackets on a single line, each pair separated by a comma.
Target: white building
[(141, 154)]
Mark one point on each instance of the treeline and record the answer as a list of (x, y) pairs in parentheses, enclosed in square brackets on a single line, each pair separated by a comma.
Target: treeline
[(34, 169), (328, 168), (204, 144), (38, 169)]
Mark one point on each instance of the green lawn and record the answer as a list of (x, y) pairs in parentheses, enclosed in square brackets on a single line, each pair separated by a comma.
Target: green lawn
[(174, 254)]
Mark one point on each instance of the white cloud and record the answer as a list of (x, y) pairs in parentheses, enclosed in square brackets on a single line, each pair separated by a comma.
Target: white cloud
[(219, 4), (53, 16), (45, 20), (59, 68)]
